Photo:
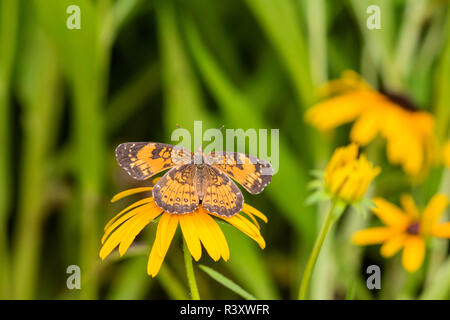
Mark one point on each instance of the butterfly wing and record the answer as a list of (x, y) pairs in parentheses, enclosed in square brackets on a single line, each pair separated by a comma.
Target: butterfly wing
[(220, 193), (252, 173), (145, 159), (175, 192)]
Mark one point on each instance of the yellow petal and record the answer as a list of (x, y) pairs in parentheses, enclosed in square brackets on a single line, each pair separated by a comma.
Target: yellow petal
[(211, 235), (348, 82), (246, 227), (372, 236), (366, 128), (248, 209), (166, 227), (255, 222), (441, 230), (128, 192), (410, 206), (413, 253), (218, 235), (133, 231), (115, 238), (132, 206), (151, 208), (393, 245), (164, 235), (190, 235), (433, 211), (336, 111), (390, 214)]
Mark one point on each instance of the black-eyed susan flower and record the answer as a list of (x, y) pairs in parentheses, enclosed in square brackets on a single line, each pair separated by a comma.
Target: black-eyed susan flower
[(348, 174), (345, 182), (409, 132), (405, 228), (346, 177), (198, 228)]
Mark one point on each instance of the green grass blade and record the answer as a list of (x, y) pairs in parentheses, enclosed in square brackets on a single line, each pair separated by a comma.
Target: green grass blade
[(183, 100), (227, 282), (127, 101), (39, 84), (281, 23), (9, 13), (85, 57), (442, 87)]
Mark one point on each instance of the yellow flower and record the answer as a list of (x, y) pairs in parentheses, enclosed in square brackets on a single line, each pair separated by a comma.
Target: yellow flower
[(409, 132), (405, 229), (348, 175), (447, 154), (197, 228)]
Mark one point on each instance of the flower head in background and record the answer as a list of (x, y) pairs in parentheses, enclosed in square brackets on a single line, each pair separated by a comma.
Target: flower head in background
[(346, 179), (198, 228), (405, 228), (409, 132), (348, 175)]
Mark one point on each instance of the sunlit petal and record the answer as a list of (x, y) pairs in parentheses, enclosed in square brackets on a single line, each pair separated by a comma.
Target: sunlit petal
[(190, 235), (410, 206), (433, 211), (128, 192), (392, 245), (390, 214), (246, 227), (441, 230), (164, 234), (413, 253), (372, 236)]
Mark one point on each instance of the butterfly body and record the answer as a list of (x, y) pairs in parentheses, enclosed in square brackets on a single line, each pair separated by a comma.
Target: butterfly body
[(195, 179)]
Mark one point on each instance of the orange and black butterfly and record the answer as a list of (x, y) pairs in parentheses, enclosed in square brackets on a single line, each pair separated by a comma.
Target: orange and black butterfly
[(195, 179)]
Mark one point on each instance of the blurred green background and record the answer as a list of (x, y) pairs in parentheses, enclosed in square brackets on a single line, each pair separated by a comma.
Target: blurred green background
[(138, 67)]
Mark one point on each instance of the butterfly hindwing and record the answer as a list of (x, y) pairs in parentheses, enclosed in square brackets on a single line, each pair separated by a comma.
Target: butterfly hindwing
[(175, 191), (220, 193), (252, 173), (142, 160)]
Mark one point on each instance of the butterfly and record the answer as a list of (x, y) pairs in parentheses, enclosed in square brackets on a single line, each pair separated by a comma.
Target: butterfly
[(195, 179)]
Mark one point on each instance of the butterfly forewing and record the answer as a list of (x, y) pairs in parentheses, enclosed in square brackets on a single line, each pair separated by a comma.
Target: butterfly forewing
[(252, 173), (143, 160)]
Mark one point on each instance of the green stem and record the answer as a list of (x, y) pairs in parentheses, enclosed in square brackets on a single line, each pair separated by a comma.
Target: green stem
[(190, 273), (315, 253)]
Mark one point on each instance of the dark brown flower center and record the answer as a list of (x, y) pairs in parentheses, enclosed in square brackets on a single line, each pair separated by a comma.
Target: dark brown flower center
[(413, 228), (400, 100)]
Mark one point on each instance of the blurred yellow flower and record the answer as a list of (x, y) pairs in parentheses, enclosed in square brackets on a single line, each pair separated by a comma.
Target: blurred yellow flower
[(447, 154), (197, 228), (409, 132), (405, 229), (348, 175)]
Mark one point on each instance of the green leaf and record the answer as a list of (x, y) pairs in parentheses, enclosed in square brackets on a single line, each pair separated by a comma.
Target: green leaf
[(316, 197), (227, 283), (315, 184)]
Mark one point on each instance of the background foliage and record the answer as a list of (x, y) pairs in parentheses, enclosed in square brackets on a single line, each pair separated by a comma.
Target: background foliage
[(138, 67)]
